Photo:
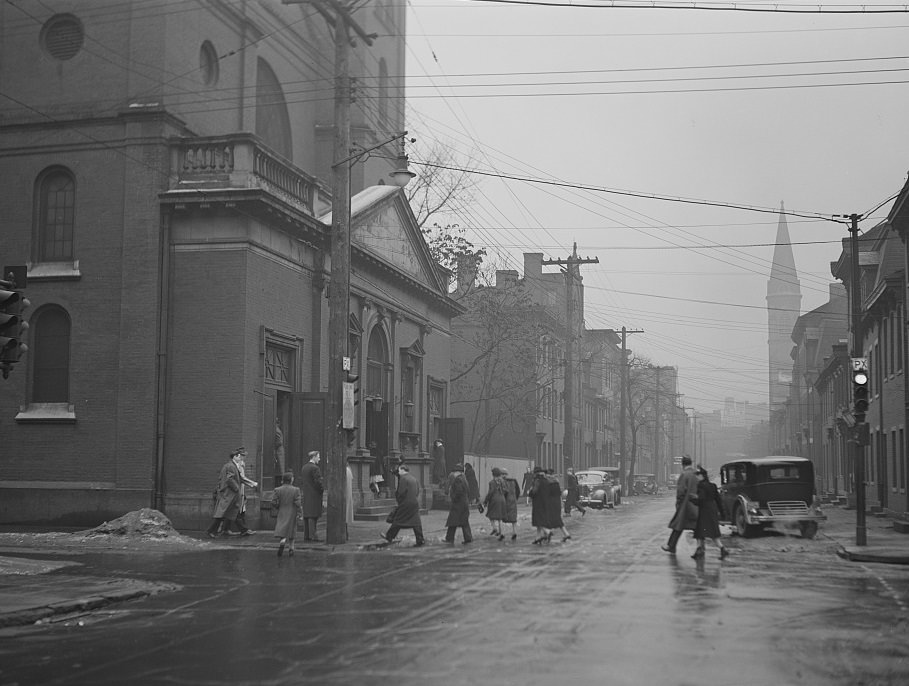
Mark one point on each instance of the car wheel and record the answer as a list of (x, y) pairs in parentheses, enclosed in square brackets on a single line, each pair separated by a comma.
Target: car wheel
[(742, 528), (808, 529)]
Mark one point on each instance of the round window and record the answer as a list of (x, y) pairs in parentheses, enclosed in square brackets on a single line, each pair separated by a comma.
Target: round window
[(62, 36), (208, 64)]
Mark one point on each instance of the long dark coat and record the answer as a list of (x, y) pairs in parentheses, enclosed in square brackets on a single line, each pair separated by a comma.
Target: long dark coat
[(407, 494), (228, 505), (312, 488), (553, 503), (495, 499), (710, 505), (459, 513), (574, 491), (686, 495), (473, 486), (512, 493), (287, 500), (439, 466), (538, 500)]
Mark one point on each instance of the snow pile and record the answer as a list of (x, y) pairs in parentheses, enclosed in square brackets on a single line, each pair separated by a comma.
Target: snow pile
[(144, 522)]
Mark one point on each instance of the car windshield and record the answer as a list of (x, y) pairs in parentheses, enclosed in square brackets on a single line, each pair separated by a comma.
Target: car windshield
[(590, 479)]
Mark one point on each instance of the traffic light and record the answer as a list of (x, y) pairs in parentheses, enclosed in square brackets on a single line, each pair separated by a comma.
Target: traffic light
[(350, 398), (860, 389), (12, 329)]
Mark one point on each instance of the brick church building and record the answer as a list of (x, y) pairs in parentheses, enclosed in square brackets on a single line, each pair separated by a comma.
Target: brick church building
[(165, 180)]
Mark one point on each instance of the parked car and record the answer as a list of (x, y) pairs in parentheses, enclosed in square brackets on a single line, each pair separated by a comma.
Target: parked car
[(599, 487), (770, 491), (646, 484)]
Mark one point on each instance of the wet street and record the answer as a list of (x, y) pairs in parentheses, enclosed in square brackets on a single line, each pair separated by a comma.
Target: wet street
[(606, 607)]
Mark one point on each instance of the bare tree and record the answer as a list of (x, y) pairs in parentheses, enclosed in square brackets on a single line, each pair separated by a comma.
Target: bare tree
[(443, 186), (495, 374)]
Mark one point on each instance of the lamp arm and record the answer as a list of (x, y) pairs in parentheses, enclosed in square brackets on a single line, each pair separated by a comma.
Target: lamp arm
[(369, 150)]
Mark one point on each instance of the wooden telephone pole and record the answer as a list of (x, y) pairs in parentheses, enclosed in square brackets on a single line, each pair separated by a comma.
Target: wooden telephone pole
[(572, 275)]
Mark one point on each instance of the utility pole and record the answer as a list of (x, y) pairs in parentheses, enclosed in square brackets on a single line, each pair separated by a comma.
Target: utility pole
[(623, 408), (571, 268), (339, 19), (657, 426), (860, 430)]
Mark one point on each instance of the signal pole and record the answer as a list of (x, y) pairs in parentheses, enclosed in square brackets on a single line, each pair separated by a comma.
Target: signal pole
[(571, 267), (860, 430)]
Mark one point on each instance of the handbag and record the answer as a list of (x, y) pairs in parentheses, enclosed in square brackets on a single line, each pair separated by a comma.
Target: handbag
[(480, 508), (391, 515)]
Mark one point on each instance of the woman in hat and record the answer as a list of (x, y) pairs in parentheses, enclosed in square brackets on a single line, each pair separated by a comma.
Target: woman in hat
[(512, 493), (459, 513), (538, 514), (495, 503), (710, 506)]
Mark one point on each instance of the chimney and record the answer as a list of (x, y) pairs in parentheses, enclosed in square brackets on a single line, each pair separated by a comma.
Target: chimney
[(533, 265), (467, 273)]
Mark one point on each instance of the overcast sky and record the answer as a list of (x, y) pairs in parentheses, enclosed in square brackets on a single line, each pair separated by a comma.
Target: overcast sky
[(736, 108)]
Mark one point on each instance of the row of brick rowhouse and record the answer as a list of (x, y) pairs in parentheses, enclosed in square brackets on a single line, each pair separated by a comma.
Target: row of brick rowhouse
[(178, 265), (815, 420)]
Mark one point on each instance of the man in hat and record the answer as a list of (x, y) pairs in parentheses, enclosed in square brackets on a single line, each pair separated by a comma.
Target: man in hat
[(406, 514), (227, 505), (459, 513), (312, 488), (686, 509)]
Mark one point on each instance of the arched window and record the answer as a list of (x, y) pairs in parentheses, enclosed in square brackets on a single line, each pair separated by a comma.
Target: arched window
[(272, 119), (376, 360), (49, 335), (55, 193)]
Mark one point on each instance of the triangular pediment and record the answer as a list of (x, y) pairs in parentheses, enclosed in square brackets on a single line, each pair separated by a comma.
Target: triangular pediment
[(383, 225), (415, 349)]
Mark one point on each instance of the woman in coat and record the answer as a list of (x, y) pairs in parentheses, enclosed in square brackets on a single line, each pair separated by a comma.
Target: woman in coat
[(459, 512), (554, 506), (512, 493), (406, 514), (710, 506), (495, 503), (473, 486), (538, 515), (288, 503)]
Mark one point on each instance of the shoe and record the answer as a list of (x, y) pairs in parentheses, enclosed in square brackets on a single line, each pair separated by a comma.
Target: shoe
[(449, 542), (211, 535), (514, 536), (698, 554), (493, 533), (549, 537), (291, 552), (537, 541), (466, 542), (419, 543), (501, 537), (583, 512), (567, 538), (724, 553), (666, 548), (280, 548), (248, 532)]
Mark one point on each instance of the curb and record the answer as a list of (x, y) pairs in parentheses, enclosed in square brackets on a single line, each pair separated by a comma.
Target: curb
[(37, 614)]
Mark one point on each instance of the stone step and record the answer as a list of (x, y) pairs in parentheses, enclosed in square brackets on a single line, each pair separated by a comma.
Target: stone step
[(901, 526)]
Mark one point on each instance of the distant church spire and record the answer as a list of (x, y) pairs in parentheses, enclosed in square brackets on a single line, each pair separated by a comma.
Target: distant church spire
[(784, 301)]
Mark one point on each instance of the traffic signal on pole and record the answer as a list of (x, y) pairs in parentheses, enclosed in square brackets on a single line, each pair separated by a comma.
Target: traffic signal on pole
[(350, 398), (860, 390), (12, 328)]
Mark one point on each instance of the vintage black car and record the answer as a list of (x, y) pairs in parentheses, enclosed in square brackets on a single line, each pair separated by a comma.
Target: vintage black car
[(770, 491), (599, 487)]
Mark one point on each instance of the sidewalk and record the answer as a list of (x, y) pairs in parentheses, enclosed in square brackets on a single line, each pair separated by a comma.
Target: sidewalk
[(883, 542)]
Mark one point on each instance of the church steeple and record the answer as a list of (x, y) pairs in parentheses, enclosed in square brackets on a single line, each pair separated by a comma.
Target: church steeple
[(784, 301)]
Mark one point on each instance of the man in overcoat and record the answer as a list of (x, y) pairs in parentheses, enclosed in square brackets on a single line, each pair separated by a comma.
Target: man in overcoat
[(312, 487), (227, 506), (686, 509), (288, 502), (407, 513), (459, 513)]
